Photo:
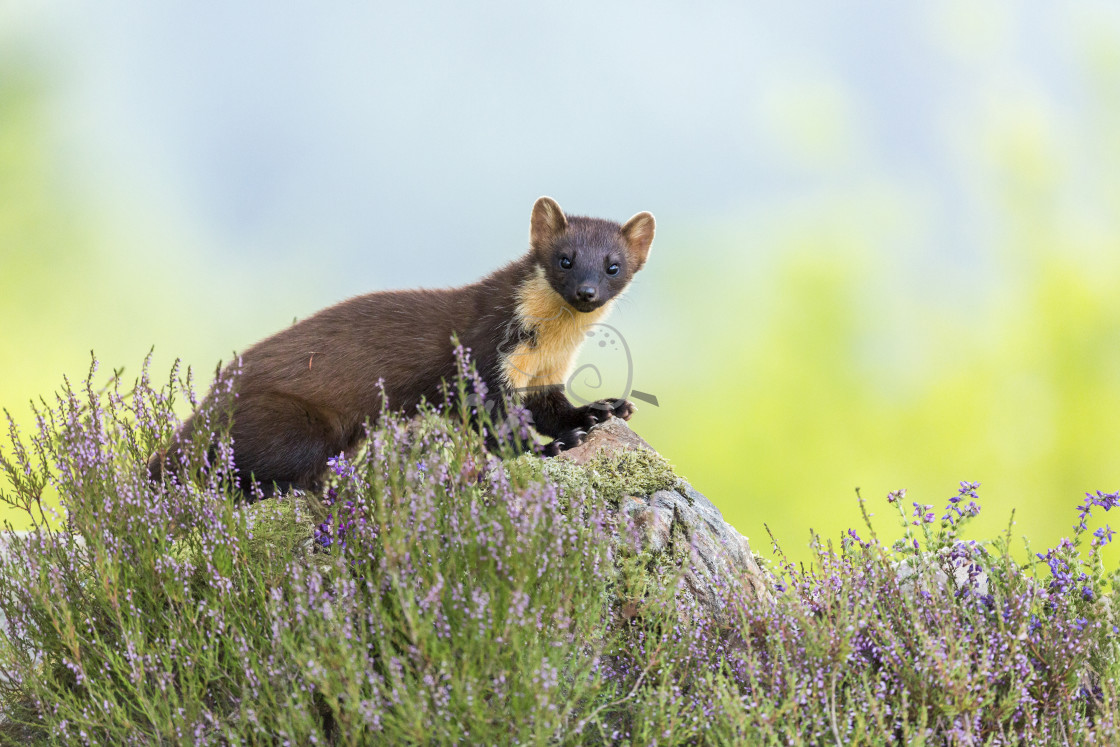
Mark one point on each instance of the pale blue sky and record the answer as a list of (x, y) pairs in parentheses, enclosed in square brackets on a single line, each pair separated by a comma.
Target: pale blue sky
[(407, 141)]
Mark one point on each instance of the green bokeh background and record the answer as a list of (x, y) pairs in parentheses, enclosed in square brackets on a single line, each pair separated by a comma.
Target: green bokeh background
[(798, 351)]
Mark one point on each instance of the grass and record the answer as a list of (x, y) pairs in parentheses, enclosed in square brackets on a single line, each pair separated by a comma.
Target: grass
[(436, 592)]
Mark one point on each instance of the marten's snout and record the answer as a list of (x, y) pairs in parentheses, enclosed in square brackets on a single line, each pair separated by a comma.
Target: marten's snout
[(587, 293)]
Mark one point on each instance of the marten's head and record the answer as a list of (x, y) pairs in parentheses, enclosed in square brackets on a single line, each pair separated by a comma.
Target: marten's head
[(588, 261)]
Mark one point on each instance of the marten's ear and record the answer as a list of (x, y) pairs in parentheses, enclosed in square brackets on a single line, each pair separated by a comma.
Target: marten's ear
[(546, 224), (638, 235)]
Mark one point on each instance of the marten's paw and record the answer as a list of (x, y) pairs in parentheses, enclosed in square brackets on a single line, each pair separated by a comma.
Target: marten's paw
[(597, 412), (567, 440)]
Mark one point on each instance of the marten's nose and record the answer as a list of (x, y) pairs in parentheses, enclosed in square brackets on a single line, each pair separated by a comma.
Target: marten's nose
[(586, 293)]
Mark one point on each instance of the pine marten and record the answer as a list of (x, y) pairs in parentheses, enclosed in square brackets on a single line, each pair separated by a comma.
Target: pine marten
[(305, 393)]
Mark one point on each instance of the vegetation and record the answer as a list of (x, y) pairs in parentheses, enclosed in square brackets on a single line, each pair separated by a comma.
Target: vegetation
[(439, 593)]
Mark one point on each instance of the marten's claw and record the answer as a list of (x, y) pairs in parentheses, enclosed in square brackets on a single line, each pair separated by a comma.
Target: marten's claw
[(624, 409), (566, 440), (598, 412)]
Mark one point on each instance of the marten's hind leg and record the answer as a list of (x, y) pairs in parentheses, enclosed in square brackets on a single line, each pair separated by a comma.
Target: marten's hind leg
[(285, 441)]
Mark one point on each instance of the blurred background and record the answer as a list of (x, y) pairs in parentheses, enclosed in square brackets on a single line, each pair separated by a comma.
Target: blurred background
[(888, 248)]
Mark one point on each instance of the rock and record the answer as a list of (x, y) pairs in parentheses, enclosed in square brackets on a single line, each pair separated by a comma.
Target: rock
[(676, 524), (614, 435)]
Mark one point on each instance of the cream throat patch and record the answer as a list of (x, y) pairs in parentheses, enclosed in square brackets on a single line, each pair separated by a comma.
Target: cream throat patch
[(551, 334)]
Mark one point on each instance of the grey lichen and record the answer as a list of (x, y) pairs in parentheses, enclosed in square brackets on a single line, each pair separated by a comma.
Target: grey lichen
[(279, 530)]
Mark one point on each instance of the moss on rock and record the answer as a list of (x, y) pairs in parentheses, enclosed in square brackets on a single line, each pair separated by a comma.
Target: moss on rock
[(610, 475)]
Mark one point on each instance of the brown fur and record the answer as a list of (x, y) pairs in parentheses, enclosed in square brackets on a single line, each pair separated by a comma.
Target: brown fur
[(305, 392)]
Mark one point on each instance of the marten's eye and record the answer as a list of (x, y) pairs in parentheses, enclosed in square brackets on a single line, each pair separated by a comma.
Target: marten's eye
[(566, 263), (613, 269)]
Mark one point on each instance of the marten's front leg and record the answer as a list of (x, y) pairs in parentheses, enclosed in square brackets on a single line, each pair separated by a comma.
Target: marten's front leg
[(554, 415)]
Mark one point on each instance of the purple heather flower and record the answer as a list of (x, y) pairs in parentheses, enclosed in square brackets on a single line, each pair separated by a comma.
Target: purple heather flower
[(512, 577)]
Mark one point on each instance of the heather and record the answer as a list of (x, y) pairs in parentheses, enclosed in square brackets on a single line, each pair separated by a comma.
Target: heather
[(442, 591)]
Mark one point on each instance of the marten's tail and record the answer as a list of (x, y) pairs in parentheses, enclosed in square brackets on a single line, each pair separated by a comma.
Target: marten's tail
[(167, 461)]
